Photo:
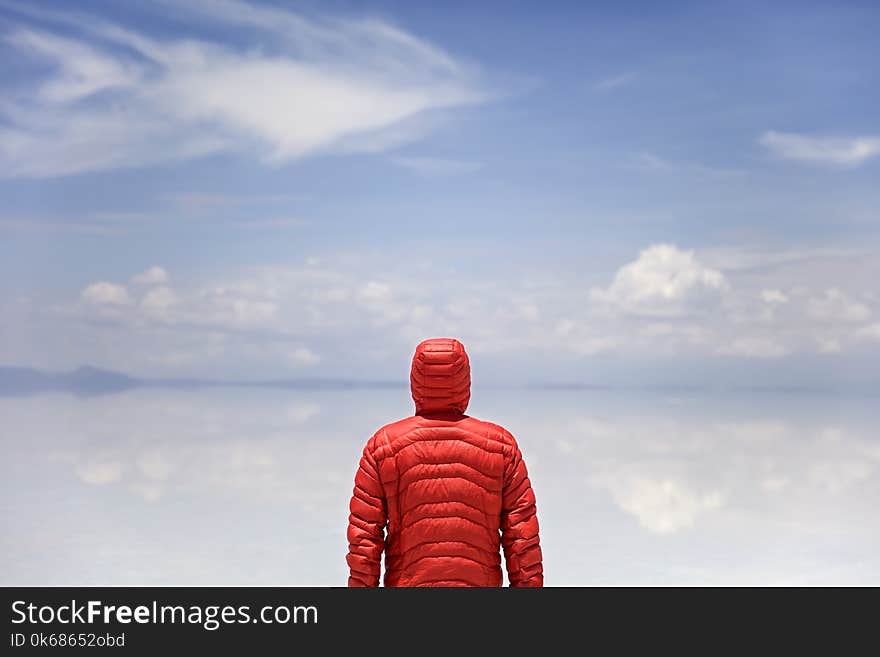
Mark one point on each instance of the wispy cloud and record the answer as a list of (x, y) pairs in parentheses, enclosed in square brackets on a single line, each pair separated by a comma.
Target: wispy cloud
[(106, 294), (298, 86), (743, 258), (122, 217), (651, 162), (155, 275), (435, 166), (755, 347), (39, 225), (871, 332), (829, 151), (614, 82), (272, 223), (202, 201), (249, 213)]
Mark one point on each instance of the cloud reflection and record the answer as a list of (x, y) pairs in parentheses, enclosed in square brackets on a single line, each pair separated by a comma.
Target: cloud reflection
[(252, 486)]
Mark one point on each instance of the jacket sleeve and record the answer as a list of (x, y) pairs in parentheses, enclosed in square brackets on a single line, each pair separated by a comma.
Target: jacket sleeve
[(519, 523), (366, 524)]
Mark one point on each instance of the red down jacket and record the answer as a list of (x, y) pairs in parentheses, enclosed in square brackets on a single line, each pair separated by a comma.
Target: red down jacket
[(450, 490)]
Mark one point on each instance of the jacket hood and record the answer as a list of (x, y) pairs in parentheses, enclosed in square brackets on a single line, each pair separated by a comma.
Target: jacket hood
[(440, 378)]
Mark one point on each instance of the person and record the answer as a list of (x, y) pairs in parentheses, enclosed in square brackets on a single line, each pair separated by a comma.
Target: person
[(450, 490)]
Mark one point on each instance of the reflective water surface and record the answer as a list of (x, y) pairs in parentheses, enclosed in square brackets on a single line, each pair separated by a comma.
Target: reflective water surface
[(244, 486)]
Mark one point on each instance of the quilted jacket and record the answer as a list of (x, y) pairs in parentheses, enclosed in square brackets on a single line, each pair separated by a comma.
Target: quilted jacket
[(441, 493)]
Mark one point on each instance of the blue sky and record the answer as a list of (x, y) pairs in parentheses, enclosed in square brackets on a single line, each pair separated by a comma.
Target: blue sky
[(613, 192)]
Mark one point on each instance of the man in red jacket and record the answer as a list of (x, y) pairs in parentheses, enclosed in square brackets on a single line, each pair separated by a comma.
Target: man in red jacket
[(449, 489)]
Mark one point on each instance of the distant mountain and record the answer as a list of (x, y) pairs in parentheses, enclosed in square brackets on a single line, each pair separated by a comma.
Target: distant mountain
[(88, 381), (83, 380)]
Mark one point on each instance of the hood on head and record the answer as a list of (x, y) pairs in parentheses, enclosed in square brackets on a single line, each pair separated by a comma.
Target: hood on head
[(440, 378)]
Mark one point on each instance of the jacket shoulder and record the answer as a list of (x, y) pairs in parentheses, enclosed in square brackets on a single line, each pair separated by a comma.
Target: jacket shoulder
[(495, 431), (386, 434)]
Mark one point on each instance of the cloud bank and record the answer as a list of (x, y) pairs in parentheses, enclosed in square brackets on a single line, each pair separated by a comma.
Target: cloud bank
[(666, 302)]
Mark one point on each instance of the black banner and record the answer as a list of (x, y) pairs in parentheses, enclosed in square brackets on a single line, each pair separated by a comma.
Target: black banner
[(139, 619)]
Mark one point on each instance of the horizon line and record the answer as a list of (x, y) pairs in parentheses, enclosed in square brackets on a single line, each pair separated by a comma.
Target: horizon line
[(97, 380)]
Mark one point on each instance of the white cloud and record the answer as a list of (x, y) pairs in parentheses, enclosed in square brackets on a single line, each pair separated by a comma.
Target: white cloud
[(871, 332), (274, 223), (297, 87), (664, 280), (774, 483), (198, 202), (835, 305), (148, 491), (103, 293), (155, 465), (829, 345), (740, 258), (774, 296), (839, 474), (34, 225), (299, 413), (235, 306), (653, 163), (614, 82), (374, 292), (100, 473), (754, 347), (834, 151), (435, 166), (159, 301), (81, 70), (153, 276), (661, 505), (303, 356)]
